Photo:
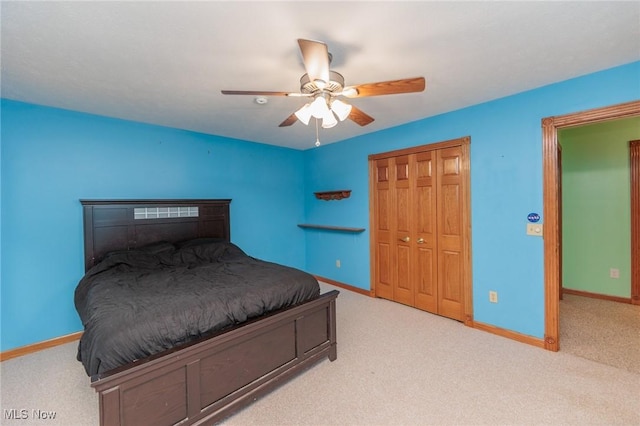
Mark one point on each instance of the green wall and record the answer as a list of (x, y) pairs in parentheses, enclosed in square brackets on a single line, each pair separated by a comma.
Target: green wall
[(596, 206)]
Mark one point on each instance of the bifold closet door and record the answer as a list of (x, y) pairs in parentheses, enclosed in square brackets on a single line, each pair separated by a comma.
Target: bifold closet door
[(450, 232), (418, 230), (384, 272), (425, 252), (393, 218), (405, 220), (402, 229)]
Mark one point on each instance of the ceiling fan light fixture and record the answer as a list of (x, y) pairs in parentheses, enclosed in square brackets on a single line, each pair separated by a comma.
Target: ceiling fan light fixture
[(323, 86), (304, 114), (319, 107), (341, 109), (329, 120)]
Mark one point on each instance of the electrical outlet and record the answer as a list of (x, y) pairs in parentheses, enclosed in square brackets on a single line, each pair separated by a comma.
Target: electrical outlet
[(493, 296), (614, 273), (338, 263)]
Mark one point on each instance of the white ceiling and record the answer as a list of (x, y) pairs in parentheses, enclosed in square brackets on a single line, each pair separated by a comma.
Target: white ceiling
[(166, 62)]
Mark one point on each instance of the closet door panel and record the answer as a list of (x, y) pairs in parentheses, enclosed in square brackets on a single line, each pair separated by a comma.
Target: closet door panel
[(383, 210), (384, 285), (450, 285), (450, 233), (403, 289), (427, 283), (426, 227)]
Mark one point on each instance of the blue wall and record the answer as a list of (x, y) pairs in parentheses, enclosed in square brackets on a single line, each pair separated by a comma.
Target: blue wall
[(51, 158), (506, 185)]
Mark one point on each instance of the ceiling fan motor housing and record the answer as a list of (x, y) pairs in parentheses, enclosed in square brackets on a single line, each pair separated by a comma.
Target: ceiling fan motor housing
[(335, 84)]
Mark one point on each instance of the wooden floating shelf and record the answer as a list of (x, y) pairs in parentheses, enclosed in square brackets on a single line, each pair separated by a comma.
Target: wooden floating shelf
[(331, 228), (333, 195)]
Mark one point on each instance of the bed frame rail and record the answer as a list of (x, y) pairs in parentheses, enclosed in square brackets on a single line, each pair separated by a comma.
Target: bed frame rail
[(210, 380)]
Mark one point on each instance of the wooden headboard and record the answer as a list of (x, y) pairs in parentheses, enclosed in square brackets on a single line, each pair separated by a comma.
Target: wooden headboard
[(111, 225)]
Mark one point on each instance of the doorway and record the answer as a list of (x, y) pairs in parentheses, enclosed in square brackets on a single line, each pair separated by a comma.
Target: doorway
[(596, 238), (551, 209)]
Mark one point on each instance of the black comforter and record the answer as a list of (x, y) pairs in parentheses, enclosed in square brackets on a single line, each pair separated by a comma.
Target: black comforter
[(137, 303)]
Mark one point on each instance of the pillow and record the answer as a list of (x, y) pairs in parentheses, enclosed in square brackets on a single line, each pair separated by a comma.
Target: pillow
[(158, 248), (199, 242), (202, 251)]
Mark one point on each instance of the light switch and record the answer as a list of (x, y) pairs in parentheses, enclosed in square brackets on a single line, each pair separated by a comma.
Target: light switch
[(534, 229)]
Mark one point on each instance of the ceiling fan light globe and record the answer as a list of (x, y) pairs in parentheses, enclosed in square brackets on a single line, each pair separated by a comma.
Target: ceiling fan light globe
[(319, 107), (304, 114), (329, 120), (341, 109)]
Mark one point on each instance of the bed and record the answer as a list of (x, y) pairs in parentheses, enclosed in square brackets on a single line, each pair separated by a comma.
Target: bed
[(212, 372)]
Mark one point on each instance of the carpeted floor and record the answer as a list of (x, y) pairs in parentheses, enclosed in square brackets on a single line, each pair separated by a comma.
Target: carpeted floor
[(601, 330), (396, 366)]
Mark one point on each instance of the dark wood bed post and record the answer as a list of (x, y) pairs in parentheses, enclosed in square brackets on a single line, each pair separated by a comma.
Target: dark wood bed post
[(210, 379)]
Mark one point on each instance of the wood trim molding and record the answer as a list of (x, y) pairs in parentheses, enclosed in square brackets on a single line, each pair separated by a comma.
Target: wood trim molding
[(551, 237), (466, 224), (523, 338), (550, 126), (345, 286), (596, 295), (613, 112), (634, 163), (373, 232), (427, 147), (35, 347)]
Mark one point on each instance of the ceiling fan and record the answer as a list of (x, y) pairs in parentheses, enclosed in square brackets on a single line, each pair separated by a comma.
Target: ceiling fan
[(324, 87)]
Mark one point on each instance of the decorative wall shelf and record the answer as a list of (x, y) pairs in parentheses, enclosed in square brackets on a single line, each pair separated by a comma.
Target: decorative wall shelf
[(331, 228), (333, 195)]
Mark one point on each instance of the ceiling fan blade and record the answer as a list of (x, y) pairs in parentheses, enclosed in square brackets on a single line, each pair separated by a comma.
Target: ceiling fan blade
[(392, 87), (289, 121), (360, 117), (315, 55), (254, 92)]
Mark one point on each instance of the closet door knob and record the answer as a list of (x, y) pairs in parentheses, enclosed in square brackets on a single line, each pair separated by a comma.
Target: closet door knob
[(405, 239), (420, 240)]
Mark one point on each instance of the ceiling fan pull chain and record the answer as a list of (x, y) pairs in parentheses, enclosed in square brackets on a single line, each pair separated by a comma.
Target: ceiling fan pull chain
[(317, 138)]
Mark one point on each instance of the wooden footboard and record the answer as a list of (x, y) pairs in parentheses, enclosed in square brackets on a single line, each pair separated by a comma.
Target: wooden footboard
[(210, 380)]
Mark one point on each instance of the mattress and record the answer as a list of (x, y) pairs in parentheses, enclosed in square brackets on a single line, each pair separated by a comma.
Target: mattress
[(134, 304)]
